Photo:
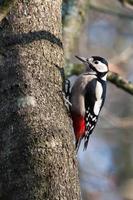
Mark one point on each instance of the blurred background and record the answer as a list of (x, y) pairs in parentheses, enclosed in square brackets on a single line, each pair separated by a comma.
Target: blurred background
[(106, 167)]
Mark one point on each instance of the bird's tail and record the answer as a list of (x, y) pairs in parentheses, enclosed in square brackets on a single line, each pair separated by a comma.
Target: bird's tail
[(77, 144), (86, 142)]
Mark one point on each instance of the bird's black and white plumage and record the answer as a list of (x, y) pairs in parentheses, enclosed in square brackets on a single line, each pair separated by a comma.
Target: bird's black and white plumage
[(87, 97)]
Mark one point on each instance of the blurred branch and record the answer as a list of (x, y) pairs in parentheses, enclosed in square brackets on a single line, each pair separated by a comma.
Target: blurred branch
[(5, 8), (123, 56), (117, 79), (120, 82), (72, 22), (113, 120), (76, 69), (127, 3), (111, 12)]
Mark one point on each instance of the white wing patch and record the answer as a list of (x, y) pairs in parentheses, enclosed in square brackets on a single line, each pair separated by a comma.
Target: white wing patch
[(98, 102), (97, 106), (99, 90), (104, 77)]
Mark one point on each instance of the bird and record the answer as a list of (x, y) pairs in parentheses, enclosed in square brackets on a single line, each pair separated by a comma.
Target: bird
[(87, 97)]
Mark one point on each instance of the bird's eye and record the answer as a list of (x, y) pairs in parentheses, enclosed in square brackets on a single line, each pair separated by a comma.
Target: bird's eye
[(96, 62)]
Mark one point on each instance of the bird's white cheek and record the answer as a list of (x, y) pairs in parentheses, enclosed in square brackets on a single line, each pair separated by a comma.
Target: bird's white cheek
[(101, 67), (97, 107)]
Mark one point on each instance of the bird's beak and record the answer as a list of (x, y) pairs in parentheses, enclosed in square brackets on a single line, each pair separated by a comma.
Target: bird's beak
[(82, 59)]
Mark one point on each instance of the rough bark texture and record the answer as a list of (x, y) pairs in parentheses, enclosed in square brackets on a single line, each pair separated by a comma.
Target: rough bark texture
[(5, 6), (36, 150)]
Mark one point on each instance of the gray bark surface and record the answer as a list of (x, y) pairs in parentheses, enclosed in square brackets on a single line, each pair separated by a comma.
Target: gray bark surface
[(36, 144)]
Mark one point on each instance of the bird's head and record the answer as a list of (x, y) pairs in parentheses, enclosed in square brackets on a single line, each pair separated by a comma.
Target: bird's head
[(97, 64)]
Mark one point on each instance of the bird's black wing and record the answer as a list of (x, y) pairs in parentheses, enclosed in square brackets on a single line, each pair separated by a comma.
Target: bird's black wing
[(90, 117), (90, 99)]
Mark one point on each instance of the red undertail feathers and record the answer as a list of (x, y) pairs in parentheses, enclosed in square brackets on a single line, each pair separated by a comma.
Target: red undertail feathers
[(79, 127)]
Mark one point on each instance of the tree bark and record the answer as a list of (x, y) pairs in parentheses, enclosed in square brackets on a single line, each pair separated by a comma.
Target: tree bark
[(36, 144), (5, 6)]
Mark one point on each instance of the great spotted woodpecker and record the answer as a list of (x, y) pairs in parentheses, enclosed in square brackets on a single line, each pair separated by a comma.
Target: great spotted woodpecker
[(87, 97)]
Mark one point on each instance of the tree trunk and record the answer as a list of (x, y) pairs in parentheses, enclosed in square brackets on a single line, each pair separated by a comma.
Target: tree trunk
[(36, 144)]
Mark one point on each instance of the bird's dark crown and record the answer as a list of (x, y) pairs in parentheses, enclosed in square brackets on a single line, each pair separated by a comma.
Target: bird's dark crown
[(98, 58)]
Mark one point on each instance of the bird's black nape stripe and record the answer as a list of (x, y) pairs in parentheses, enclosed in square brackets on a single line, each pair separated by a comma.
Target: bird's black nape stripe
[(103, 60), (99, 74)]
